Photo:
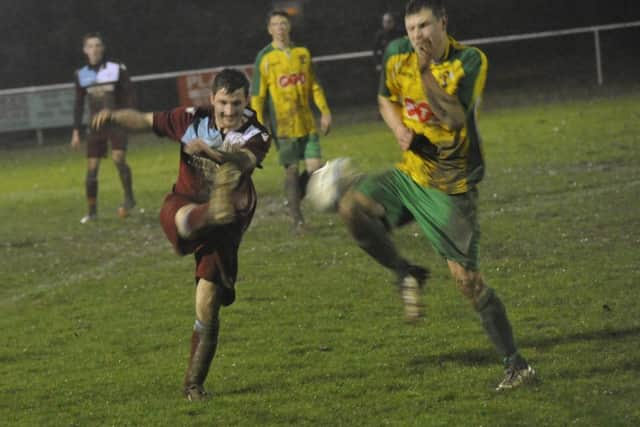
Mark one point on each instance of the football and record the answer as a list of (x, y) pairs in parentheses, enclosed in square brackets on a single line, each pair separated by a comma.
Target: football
[(327, 185)]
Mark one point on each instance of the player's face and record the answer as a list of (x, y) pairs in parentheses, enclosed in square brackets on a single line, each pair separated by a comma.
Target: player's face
[(94, 49), (424, 26), (387, 22), (228, 108), (279, 28)]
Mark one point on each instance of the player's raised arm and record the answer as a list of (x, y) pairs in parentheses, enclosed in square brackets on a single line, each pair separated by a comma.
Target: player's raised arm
[(129, 118), (447, 108)]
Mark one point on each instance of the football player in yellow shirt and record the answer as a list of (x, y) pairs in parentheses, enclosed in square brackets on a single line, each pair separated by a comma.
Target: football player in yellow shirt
[(429, 93), (283, 78)]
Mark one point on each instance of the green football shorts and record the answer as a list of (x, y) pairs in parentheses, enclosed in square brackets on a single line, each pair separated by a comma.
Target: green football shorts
[(449, 221), (292, 150)]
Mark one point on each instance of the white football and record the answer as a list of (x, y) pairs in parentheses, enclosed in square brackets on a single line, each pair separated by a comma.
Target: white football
[(327, 185)]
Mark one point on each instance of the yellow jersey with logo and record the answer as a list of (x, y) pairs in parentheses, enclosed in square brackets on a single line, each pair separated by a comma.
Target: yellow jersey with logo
[(285, 80), (445, 159)]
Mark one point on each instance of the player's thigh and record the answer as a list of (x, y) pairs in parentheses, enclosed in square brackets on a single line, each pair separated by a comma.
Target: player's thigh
[(97, 144), (384, 190), (119, 140), (289, 151), (311, 145), (448, 221), (171, 205)]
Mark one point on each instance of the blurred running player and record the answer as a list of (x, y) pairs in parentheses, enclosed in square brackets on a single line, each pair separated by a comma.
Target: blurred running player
[(212, 201), (107, 85)]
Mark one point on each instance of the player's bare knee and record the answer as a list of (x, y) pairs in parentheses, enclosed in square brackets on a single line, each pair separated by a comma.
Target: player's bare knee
[(207, 304), (313, 165), (354, 205), (182, 221), (291, 170), (118, 156), (347, 206), (470, 284)]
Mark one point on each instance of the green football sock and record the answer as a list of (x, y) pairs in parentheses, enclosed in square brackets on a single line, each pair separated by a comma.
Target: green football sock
[(496, 323)]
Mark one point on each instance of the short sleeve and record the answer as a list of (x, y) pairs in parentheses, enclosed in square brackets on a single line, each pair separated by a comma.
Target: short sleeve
[(259, 145), (173, 124), (474, 64)]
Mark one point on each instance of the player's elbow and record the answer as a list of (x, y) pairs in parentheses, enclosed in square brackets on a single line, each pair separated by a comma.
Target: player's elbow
[(384, 104), (456, 124), (455, 120)]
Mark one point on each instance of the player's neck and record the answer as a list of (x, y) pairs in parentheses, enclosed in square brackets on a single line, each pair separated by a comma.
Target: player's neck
[(281, 44), (445, 49), (95, 65), (226, 130)]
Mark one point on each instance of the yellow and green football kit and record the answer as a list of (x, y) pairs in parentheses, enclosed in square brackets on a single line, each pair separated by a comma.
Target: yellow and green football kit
[(434, 183), (284, 79)]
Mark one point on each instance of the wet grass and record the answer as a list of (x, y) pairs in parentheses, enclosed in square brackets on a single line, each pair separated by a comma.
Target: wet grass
[(96, 319)]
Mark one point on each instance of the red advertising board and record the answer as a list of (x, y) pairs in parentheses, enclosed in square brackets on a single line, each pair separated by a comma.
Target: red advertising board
[(194, 89)]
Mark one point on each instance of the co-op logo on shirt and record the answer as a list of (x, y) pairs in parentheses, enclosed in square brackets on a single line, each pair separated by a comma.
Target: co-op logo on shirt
[(420, 111), (291, 79)]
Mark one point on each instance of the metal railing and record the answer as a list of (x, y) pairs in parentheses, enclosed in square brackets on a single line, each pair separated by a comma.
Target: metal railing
[(595, 30)]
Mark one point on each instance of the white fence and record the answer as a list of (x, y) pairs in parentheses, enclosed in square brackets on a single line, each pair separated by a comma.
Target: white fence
[(41, 107)]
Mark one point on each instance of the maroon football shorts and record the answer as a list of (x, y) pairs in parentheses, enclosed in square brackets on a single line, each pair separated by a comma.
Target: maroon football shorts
[(215, 248), (97, 141)]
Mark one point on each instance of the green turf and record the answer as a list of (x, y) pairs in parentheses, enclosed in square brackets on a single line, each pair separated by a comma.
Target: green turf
[(96, 319)]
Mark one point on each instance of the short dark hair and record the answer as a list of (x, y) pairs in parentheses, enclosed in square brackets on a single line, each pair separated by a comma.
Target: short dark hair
[(230, 80), (92, 35), (436, 7), (278, 12)]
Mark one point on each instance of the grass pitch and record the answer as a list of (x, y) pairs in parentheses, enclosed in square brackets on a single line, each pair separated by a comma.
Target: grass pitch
[(96, 319)]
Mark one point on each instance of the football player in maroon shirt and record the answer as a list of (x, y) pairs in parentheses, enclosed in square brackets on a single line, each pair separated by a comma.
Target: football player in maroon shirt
[(212, 201)]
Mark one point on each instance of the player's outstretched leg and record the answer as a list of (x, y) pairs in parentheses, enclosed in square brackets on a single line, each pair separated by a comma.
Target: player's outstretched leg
[(363, 218), (204, 340)]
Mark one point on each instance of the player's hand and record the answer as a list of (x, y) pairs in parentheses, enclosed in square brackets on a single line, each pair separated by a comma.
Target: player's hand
[(75, 139), (102, 118), (404, 136), (425, 54), (325, 123), (196, 146)]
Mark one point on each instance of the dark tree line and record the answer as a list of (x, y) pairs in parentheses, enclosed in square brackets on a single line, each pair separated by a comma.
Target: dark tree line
[(40, 41)]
